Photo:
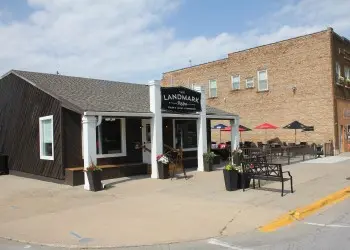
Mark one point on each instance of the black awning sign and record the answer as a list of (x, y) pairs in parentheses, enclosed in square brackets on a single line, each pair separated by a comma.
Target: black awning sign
[(180, 100)]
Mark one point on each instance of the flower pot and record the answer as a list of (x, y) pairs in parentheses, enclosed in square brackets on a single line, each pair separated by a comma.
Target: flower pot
[(246, 181), (208, 166), (94, 178), (231, 179), (163, 170), (216, 159)]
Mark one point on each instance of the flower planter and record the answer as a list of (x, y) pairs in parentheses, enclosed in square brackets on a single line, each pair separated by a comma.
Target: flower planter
[(246, 181), (208, 166), (94, 178), (231, 179), (163, 170), (216, 159)]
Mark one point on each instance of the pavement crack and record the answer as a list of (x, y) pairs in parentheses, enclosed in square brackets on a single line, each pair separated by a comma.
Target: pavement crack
[(221, 232)]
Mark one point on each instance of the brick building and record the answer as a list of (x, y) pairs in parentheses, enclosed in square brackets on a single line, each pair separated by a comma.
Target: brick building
[(302, 78)]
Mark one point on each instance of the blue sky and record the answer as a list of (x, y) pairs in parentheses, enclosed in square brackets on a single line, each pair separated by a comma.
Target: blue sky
[(137, 40)]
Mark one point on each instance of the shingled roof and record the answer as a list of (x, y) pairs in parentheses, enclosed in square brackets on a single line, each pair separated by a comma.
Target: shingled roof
[(87, 94)]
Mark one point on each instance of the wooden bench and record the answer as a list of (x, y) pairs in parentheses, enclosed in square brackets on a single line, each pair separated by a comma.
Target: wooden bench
[(266, 171), (75, 176)]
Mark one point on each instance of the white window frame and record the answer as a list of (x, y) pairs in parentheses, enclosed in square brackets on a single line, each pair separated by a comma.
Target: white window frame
[(337, 66), (246, 83), (42, 156), (267, 81), (174, 135), (239, 82), (123, 142), (216, 83)]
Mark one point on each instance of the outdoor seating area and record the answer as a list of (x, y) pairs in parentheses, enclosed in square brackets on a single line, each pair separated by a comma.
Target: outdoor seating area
[(275, 150)]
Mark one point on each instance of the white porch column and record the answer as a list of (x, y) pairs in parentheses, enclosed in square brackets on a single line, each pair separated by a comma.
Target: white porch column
[(89, 144), (202, 131), (156, 125), (234, 134)]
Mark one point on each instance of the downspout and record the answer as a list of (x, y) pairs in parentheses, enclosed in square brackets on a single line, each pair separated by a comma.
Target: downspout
[(335, 110)]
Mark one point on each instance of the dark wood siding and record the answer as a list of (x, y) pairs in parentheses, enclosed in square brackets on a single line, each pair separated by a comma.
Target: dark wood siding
[(21, 106), (72, 139)]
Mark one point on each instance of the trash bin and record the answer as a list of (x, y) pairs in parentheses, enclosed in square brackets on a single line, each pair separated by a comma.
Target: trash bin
[(4, 169)]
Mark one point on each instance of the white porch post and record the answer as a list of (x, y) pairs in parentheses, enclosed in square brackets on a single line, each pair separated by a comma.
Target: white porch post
[(234, 133), (202, 144), (156, 125), (89, 144)]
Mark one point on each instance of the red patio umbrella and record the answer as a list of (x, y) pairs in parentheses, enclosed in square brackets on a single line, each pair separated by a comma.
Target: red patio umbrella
[(240, 129), (266, 126)]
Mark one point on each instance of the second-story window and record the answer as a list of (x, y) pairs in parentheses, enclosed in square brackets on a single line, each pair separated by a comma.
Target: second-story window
[(337, 70), (235, 82), (212, 89), (347, 73), (262, 80), (249, 83)]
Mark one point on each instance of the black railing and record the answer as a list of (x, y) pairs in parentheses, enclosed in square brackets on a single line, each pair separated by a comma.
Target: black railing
[(284, 155)]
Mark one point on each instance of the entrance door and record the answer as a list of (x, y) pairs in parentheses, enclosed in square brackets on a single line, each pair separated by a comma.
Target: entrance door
[(146, 140)]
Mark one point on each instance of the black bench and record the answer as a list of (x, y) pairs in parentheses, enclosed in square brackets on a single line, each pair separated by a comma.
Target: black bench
[(266, 171)]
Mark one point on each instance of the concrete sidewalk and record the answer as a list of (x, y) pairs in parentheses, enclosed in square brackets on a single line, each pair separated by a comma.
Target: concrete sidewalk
[(143, 211)]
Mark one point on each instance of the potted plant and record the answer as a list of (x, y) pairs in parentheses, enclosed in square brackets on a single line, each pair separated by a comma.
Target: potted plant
[(242, 175), (163, 166), (208, 160), (94, 176), (347, 81), (237, 157), (230, 177)]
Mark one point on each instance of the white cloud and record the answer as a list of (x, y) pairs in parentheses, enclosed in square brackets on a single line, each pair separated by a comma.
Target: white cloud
[(127, 40)]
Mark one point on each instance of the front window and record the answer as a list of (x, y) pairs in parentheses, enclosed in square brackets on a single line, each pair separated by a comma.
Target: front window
[(110, 137), (46, 137), (235, 82), (212, 88), (185, 134), (262, 80)]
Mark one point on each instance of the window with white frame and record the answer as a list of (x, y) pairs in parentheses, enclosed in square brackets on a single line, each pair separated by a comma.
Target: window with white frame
[(347, 73), (185, 134), (110, 138), (235, 82), (212, 88), (262, 80), (46, 137), (249, 82), (337, 70)]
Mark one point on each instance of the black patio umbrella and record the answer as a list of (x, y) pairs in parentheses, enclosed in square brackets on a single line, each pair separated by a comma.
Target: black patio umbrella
[(295, 125)]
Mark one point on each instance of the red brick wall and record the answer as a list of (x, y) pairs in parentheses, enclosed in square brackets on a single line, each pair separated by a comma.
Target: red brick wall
[(302, 62)]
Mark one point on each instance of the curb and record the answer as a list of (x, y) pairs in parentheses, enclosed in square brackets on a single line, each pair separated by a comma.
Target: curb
[(303, 212)]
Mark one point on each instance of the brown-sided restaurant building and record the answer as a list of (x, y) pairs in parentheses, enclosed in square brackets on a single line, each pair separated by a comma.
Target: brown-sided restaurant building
[(53, 126)]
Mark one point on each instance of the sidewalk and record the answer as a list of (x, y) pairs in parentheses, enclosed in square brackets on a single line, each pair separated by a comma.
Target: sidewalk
[(143, 211)]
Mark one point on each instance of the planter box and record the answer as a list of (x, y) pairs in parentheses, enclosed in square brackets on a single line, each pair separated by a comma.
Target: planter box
[(163, 170), (217, 159), (246, 181), (208, 166), (95, 180), (231, 180)]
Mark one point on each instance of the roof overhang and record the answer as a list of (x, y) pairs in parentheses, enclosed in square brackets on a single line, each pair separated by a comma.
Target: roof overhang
[(222, 117), (120, 114)]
